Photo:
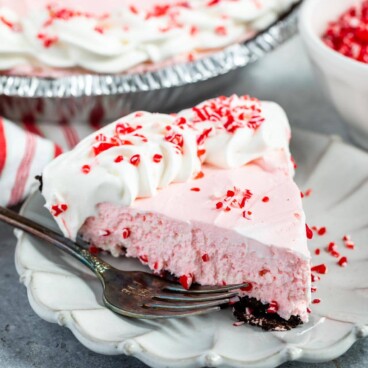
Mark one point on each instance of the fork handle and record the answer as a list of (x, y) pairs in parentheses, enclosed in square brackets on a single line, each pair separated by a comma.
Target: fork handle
[(96, 264)]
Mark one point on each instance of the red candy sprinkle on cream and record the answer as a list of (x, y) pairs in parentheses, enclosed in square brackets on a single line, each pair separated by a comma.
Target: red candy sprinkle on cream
[(157, 158), (135, 160), (195, 189), (86, 169), (316, 301), (265, 199), (119, 159)]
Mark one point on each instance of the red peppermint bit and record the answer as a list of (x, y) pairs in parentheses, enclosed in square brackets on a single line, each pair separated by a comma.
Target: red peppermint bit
[(93, 250), (158, 11), (263, 272), (322, 231), (213, 2), (100, 138), (203, 136), (133, 9), (124, 128), (201, 152), (205, 257), (9, 24), (191, 57), (273, 307), (308, 192), (219, 205), (227, 209), (195, 189), (119, 159), (331, 247), (99, 29), (230, 193), (155, 266), (47, 41), (126, 143), (247, 288), (265, 199), (317, 252), (309, 310), (176, 139), (135, 160), (144, 258), (104, 232), (343, 261), (221, 30), (58, 209), (313, 289), (186, 281), (295, 165), (335, 254), (125, 233), (86, 169), (349, 244), (315, 278), (247, 214), (321, 269), (200, 175), (309, 232), (193, 30), (103, 147), (157, 158), (346, 238), (302, 194), (316, 301)]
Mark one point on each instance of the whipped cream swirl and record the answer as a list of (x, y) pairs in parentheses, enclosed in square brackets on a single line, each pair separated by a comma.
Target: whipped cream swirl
[(142, 152), (61, 37)]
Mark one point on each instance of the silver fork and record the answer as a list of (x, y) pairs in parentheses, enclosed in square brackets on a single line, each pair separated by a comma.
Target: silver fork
[(133, 293)]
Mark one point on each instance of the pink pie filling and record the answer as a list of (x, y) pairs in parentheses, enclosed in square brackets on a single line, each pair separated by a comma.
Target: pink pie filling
[(182, 230)]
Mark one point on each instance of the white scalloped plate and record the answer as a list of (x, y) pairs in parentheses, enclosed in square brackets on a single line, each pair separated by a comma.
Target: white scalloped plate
[(60, 290)]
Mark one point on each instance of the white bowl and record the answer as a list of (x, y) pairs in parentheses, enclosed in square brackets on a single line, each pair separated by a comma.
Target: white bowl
[(344, 80)]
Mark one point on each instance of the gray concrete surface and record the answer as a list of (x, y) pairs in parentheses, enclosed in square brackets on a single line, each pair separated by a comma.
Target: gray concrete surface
[(27, 341)]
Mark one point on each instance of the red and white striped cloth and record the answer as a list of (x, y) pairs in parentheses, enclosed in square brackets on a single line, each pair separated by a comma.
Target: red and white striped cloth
[(23, 155)]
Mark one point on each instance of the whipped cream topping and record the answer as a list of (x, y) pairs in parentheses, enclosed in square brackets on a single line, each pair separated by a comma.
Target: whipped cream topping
[(143, 152), (114, 42)]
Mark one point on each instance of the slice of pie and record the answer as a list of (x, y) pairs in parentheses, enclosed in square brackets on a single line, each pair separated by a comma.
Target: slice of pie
[(206, 195)]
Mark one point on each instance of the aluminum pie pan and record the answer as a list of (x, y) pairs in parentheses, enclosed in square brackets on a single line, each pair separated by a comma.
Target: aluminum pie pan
[(74, 97)]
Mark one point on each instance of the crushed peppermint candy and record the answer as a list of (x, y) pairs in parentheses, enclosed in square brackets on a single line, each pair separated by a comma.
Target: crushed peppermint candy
[(348, 35), (186, 281), (235, 199), (125, 233), (58, 209), (321, 269)]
